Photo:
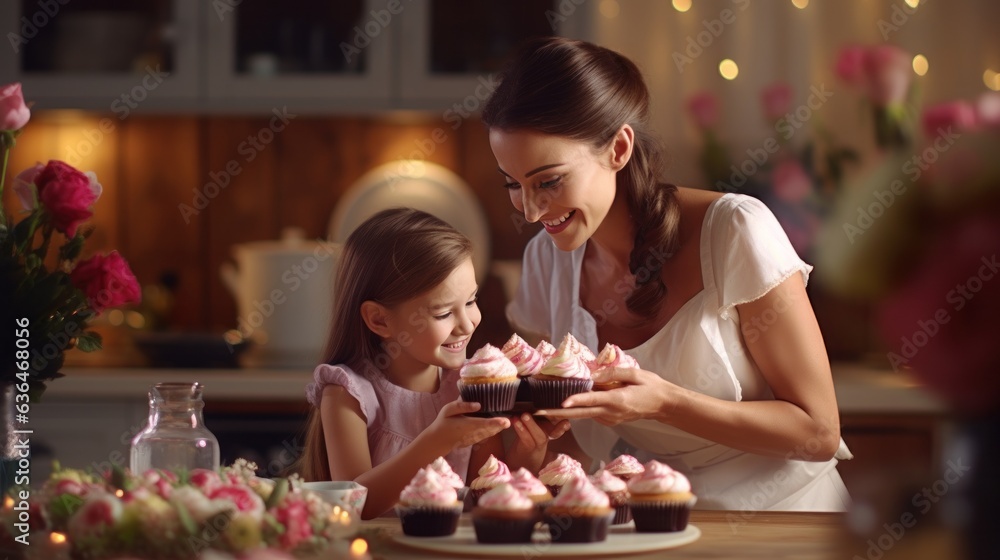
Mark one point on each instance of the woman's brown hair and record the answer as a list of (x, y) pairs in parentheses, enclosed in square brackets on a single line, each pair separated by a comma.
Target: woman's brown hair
[(584, 92), (394, 256)]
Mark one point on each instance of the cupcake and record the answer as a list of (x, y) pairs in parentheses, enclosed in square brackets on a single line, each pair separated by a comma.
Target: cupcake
[(531, 487), (443, 469), (617, 493), (493, 473), (559, 472), (661, 499), (611, 357), (428, 506), (504, 515), (625, 467), (489, 379), (545, 350), (564, 374), (580, 513), (527, 360), (578, 348)]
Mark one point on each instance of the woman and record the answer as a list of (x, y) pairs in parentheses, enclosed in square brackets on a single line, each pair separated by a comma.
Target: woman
[(703, 289)]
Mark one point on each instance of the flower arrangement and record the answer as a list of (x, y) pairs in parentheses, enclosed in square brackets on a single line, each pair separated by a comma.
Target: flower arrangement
[(164, 515), (52, 296), (883, 74)]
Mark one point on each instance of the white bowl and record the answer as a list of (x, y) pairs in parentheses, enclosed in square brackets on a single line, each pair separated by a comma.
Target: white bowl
[(340, 492)]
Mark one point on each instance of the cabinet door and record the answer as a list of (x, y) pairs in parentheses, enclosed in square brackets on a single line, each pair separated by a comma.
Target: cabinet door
[(450, 47), (301, 52), (94, 54)]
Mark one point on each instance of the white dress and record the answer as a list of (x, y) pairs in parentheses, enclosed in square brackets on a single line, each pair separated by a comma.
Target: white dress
[(744, 254)]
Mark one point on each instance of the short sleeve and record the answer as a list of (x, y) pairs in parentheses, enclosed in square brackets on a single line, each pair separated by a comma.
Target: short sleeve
[(750, 253), (531, 308), (357, 386)]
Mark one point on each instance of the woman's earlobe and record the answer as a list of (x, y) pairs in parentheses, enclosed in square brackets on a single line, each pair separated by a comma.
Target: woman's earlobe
[(621, 147), (376, 317)]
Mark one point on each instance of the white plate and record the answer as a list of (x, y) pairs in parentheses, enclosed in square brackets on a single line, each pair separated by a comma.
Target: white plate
[(621, 540), (416, 184)]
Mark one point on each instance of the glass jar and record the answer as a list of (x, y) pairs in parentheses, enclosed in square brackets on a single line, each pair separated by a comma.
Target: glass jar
[(176, 438)]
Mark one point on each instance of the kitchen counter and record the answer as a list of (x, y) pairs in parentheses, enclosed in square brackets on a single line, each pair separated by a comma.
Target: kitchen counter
[(860, 389)]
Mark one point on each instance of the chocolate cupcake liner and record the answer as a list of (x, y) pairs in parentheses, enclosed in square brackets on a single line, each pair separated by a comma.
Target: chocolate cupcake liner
[(661, 517), (623, 514), (523, 391), (429, 521), (493, 397), (496, 530), (570, 529), (550, 393)]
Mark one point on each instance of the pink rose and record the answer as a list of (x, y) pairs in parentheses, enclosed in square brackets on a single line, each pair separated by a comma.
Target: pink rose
[(888, 71), (294, 517), (704, 109), (988, 109), (791, 182), (98, 514), (851, 65), (24, 187), (245, 499), (777, 99), (66, 194), (956, 116), (206, 480), (107, 281), (14, 114)]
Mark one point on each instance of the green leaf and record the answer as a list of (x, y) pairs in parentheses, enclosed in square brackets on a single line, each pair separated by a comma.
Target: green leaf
[(186, 520), (89, 341), (32, 262), (24, 231), (278, 494), (71, 250)]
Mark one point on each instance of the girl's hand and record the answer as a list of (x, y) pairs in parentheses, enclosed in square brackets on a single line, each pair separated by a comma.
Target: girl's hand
[(452, 430), (528, 450), (644, 395)]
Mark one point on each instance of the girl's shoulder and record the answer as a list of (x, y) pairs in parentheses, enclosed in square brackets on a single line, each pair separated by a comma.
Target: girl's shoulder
[(355, 380)]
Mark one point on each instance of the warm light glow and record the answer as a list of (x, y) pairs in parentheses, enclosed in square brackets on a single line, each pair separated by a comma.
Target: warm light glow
[(913, 3), (920, 64), (135, 319), (992, 79), (359, 547), (800, 4), (8, 502), (345, 517), (57, 538), (610, 8), (119, 492), (729, 69), (682, 5), (336, 511), (116, 317)]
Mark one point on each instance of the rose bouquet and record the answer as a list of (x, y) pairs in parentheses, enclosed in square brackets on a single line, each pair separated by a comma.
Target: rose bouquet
[(50, 296), (164, 515)]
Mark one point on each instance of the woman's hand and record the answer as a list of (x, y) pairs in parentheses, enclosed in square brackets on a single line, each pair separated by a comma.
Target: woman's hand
[(452, 430), (532, 442), (643, 395)]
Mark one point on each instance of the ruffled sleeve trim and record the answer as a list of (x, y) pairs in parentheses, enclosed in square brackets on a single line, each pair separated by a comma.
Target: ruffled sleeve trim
[(356, 385)]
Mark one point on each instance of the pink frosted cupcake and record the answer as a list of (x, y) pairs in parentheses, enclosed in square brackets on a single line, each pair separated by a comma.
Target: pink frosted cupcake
[(493, 473), (625, 467), (527, 360), (545, 350), (578, 348), (504, 515), (559, 472), (532, 488), (661, 499), (564, 374), (611, 357), (428, 506), (580, 513), (489, 379), (617, 493), (443, 469)]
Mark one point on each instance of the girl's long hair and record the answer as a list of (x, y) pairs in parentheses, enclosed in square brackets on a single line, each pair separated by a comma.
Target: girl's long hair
[(394, 256)]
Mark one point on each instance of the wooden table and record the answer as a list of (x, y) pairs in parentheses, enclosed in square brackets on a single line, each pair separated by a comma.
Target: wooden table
[(744, 535)]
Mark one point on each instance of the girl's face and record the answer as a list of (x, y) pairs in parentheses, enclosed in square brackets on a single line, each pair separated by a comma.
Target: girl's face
[(560, 182), (434, 328)]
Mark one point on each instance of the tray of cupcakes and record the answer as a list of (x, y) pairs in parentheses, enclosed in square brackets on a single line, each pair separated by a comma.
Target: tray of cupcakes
[(623, 508)]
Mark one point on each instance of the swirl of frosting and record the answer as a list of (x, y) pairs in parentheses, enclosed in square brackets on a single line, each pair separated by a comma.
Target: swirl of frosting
[(505, 497), (607, 482), (527, 360), (546, 350), (581, 493), (428, 489), (578, 348), (624, 464), (561, 470), (443, 469), (493, 473), (527, 484), (659, 479), (565, 363), (488, 362), (611, 356)]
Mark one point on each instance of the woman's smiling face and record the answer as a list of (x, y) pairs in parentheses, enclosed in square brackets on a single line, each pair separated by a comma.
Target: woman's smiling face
[(565, 184)]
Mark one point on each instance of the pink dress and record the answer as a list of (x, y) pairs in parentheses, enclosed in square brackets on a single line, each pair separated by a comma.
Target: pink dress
[(395, 416)]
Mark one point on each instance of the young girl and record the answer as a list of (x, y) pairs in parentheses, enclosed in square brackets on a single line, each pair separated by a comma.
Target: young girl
[(385, 400)]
